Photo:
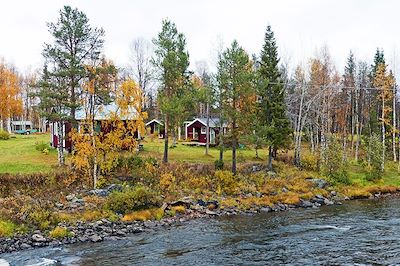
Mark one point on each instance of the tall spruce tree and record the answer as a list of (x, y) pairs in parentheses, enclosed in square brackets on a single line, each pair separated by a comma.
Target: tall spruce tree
[(272, 108), (172, 61)]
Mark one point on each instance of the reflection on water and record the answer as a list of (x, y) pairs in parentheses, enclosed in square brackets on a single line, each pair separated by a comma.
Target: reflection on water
[(359, 232)]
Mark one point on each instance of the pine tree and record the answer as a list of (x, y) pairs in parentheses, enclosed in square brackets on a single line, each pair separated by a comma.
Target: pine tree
[(76, 45), (272, 106), (235, 79), (172, 61)]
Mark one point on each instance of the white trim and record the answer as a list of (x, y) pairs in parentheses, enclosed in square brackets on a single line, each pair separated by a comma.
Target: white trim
[(154, 120), (194, 121), (203, 131)]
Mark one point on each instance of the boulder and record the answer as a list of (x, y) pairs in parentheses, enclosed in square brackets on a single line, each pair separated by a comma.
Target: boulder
[(70, 197), (305, 204), (104, 192), (328, 202), (210, 212), (95, 238), (265, 209), (38, 238), (319, 182)]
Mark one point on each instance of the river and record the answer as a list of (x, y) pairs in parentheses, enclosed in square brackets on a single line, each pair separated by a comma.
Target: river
[(357, 233)]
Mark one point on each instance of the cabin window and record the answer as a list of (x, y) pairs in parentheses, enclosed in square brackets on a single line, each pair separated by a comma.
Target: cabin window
[(203, 130)]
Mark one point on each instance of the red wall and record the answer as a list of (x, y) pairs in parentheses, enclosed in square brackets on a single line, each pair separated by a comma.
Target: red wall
[(197, 125)]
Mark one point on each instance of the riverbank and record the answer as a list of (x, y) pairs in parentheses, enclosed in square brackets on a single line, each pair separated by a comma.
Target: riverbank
[(105, 229)]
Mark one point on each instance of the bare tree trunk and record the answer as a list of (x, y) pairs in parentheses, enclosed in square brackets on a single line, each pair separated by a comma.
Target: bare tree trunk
[(174, 141), (358, 131), (298, 131), (208, 128), (394, 126), (269, 164), (234, 144), (312, 140), (60, 146), (383, 135), (92, 135), (165, 159)]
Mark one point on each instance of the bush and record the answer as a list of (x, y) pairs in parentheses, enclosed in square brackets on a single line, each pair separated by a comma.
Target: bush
[(226, 182), (219, 164), (41, 146), (6, 228), (374, 167), (40, 217), (4, 135), (167, 182), (132, 199), (333, 164), (309, 162), (60, 232)]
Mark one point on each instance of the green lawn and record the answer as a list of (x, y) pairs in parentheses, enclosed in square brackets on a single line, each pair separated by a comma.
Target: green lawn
[(183, 153), (18, 155)]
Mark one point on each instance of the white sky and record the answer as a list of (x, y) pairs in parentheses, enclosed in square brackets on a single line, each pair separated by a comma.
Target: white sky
[(301, 26)]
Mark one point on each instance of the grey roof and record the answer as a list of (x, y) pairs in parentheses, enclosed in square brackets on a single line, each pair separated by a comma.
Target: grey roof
[(104, 112), (213, 123)]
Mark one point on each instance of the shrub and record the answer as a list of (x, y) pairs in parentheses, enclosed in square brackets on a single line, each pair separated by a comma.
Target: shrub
[(333, 164), (42, 146), (178, 209), (40, 218), (132, 199), (144, 215), (226, 182), (60, 232), (167, 182), (219, 165), (309, 162), (6, 228), (374, 167), (4, 135)]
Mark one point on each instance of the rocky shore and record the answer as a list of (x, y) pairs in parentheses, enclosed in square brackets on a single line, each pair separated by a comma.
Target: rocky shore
[(107, 230)]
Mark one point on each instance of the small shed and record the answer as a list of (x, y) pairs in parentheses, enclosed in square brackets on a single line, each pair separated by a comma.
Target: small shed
[(155, 127), (196, 129)]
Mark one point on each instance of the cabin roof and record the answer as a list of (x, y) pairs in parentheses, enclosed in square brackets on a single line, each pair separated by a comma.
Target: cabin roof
[(155, 121), (104, 112), (213, 123)]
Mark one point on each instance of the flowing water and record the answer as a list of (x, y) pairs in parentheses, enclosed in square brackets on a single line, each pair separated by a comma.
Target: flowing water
[(357, 233)]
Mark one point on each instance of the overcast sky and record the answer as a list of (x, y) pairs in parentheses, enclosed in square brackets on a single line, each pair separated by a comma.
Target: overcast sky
[(301, 27)]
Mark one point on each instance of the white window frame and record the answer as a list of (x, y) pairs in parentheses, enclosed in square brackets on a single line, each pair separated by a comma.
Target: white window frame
[(203, 131)]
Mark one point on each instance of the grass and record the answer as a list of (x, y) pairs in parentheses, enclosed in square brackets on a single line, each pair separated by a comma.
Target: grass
[(18, 155), (7, 228), (60, 232), (191, 154)]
